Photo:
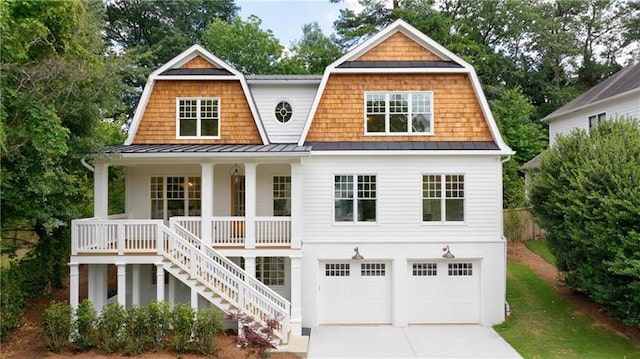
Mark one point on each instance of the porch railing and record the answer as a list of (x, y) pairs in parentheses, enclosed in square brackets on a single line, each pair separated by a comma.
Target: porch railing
[(231, 231), (115, 236)]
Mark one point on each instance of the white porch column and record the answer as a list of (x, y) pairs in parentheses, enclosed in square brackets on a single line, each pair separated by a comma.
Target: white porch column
[(194, 299), (74, 286), (296, 205), (135, 285), (250, 265), (101, 190), (172, 290), (159, 282), (122, 284), (250, 204), (97, 282), (206, 202), (296, 295)]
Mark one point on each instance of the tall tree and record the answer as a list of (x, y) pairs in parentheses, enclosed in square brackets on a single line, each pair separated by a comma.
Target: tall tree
[(312, 53), (56, 87), (250, 49)]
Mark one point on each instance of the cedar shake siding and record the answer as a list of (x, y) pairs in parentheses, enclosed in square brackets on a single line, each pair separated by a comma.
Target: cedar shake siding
[(198, 63), (398, 47), (457, 113), (158, 123)]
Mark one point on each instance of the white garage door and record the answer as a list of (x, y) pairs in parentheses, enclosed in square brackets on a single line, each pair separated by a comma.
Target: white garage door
[(444, 292), (355, 292)]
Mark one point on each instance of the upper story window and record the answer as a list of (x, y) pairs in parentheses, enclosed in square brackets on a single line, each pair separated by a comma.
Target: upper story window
[(355, 198), (596, 119), (399, 113), (283, 111), (281, 195), (198, 117), (443, 194)]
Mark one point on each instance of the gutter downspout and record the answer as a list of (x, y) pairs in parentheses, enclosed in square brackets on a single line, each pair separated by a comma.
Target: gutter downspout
[(507, 308), (86, 165)]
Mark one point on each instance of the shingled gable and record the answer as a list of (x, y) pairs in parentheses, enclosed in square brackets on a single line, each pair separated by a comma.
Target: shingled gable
[(433, 57), (196, 63)]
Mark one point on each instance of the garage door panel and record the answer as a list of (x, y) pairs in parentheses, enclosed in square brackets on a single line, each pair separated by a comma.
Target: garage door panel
[(363, 295), (443, 292)]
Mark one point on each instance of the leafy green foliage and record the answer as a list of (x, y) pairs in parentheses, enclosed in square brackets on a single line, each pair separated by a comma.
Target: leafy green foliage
[(586, 197), (182, 320), (56, 325), (159, 323), (243, 44), (85, 326), (207, 326), (136, 331), (111, 334), (311, 54)]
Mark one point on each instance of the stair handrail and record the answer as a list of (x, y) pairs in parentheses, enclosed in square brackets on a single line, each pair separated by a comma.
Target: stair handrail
[(241, 284), (272, 295)]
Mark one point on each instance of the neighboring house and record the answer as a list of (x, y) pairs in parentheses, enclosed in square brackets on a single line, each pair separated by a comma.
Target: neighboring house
[(618, 96), (371, 194)]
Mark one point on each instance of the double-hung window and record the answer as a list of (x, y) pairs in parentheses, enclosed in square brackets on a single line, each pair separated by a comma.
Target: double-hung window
[(270, 270), (596, 119), (198, 117), (354, 198), (399, 113), (442, 198), (281, 196), (175, 196)]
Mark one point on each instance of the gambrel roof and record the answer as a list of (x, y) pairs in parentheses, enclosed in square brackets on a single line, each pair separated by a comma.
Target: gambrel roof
[(173, 70), (442, 61)]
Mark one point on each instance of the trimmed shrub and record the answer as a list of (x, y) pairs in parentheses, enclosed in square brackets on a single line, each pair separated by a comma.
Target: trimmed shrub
[(85, 326), (586, 196), (159, 316), (208, 324), (182, 319), (111, 327), (136, 331), (56, 324)]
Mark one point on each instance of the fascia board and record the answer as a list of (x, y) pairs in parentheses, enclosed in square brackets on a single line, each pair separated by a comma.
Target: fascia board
[(137, 117), (375, 153)]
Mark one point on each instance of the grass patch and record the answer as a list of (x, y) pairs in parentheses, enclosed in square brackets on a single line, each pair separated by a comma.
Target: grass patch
[(543, 325), (541, 248)]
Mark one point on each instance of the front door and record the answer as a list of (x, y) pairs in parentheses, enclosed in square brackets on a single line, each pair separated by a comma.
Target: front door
[(237, 205)]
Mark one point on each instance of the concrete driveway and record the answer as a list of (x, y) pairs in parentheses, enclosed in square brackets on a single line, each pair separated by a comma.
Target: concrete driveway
[(420, 341)]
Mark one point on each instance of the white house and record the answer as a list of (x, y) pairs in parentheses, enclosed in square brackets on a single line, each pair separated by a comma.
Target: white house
[(618, 96), (370, 194)]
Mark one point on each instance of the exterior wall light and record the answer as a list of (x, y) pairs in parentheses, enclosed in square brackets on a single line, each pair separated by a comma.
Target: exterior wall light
[(357, 256), (235, 174), (447, 254)]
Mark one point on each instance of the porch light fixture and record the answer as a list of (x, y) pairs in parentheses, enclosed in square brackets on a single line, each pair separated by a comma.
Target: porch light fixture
[(357, 256), (447, 254), (235, 174)]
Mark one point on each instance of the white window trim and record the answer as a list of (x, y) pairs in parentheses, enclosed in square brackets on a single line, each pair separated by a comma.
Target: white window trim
[(386, 115), (443, 188), (198, 119), (273, 113), (354, 199), (165, 206), (273, 176)]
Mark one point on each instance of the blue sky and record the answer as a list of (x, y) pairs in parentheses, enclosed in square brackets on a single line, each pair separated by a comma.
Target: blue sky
[(286, 17)]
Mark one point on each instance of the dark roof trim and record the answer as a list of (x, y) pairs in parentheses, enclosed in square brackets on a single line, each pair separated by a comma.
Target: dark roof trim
[(398, 64), (284, 77), (196, 72), (404, 146), (195, 148)]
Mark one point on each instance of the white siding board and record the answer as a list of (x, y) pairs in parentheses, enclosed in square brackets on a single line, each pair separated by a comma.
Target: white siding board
[(399, 199), (300, 96), (628, 106)]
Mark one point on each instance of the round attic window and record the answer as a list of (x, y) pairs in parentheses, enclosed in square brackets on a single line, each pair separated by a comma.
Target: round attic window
[(283, 111)]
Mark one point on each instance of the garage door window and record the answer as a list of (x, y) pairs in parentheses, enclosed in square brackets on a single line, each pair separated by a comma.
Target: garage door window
[(460, 269), (425, 269), (336, 269), (372, 269)]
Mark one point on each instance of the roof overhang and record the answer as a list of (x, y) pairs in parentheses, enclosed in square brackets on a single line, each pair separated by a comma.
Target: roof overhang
[(556, 114)]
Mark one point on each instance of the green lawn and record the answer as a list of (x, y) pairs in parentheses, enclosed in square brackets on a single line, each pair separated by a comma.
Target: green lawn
[(540, 248), (543, 325)]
